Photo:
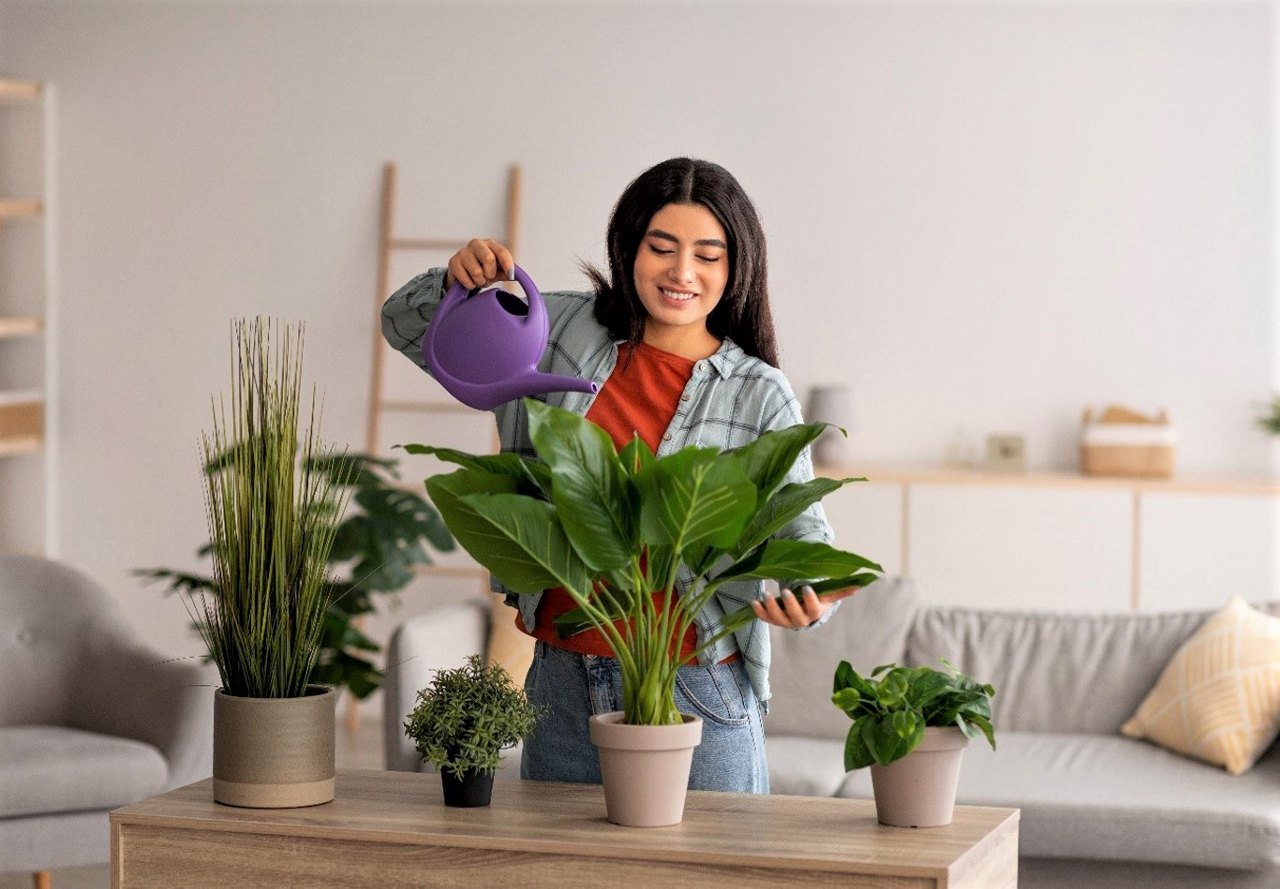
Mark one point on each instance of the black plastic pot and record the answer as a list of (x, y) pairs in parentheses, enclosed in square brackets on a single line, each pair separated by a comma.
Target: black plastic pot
[(474, 788)]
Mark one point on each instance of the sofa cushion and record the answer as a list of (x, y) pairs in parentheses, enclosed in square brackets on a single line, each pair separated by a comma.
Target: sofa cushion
[(1112, 798), (1083, 674), (48, 769), (869, 629), (801, 766), (1218, 699)]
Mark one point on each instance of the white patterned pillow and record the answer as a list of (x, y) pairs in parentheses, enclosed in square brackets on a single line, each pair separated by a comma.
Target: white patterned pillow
[(1218, 699)]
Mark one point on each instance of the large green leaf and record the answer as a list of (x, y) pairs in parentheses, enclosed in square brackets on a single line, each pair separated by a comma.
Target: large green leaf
[(520, 539), (796, 559), (636, 456), (782, 507), (856, 753), (589, 487), (455, 495), (534, 477), (694, 496), (769, 458), (884, 741)]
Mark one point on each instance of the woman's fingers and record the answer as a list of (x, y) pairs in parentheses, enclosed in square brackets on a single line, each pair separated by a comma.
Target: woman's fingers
[(792, 612), (480, 262), (505, 260)]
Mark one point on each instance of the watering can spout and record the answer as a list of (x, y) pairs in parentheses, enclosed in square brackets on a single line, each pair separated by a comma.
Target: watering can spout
[(487, 396), (559, 383)]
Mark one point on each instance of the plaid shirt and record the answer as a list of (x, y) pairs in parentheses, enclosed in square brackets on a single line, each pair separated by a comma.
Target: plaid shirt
[(728, 402)]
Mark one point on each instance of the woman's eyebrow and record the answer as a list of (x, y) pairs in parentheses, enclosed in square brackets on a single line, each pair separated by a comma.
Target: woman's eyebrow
[(667, 236)]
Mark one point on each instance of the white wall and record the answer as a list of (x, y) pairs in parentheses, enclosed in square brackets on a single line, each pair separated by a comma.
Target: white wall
[(980, 214)]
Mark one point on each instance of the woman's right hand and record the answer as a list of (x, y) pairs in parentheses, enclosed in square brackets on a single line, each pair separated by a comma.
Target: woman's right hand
[(479, 263)]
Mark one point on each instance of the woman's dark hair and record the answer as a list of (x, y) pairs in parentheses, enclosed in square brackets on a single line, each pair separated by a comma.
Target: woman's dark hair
[(742, 314)]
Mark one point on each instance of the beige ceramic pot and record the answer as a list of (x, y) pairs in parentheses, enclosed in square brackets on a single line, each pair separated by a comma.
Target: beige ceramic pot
[(919, 790), (273, 753), (645, 768)]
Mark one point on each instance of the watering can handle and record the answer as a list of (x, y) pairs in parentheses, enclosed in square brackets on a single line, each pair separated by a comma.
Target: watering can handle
[(537, 309), (457, 293)]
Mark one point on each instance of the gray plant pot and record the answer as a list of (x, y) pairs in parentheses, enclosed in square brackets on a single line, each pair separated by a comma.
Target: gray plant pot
[(645, 768), (919, 790), (273, 753)]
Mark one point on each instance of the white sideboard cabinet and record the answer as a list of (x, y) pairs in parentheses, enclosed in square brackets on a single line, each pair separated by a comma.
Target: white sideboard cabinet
[(1063, 541)]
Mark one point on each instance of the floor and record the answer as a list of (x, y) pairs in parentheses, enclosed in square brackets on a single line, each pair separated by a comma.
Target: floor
[(360, 749)]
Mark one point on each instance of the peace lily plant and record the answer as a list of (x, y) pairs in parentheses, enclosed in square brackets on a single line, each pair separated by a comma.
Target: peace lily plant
[(614, 528)]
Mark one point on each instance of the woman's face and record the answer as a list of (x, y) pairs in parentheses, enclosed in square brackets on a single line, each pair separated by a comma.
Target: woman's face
[(681, 270)]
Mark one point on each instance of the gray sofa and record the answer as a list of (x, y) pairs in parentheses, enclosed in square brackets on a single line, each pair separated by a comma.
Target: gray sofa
[(1098, 809), (90, 718)]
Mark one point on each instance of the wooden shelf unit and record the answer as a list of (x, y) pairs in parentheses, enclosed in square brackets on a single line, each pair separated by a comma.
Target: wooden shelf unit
[(28, 422), (16, 326), (18, 445), (12, 208), (19, 91)]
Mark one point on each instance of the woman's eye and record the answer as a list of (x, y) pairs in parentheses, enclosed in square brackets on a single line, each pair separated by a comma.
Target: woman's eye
[(709, 258)]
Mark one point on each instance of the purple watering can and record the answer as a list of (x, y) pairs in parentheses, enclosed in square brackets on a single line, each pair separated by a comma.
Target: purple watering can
[(484, 348)]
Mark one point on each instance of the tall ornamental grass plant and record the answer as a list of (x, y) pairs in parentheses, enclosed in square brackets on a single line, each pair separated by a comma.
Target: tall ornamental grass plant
[(272, 516)]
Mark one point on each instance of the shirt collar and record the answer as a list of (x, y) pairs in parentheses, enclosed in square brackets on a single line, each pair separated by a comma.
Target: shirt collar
[(726, 358)]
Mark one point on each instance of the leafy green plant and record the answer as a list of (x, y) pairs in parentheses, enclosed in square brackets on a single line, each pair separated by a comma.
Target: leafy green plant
[(271, 522), (1269, 420), (891, 709), (639, 543), (466, 717), (379, 542)]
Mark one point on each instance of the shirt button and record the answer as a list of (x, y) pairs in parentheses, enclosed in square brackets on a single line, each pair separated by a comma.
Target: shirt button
[(701, 365), (684, 397), (667, 437)]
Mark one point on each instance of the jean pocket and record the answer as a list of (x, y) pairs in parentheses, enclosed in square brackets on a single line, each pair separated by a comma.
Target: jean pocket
[(714, 694)]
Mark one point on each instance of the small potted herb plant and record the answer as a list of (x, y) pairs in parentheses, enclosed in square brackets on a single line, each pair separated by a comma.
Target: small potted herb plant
[(462, 722), (911, 726)]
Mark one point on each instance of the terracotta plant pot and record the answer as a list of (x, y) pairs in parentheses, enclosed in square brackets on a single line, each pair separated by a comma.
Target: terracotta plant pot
[(919, 790), (645, 768), (274, 753), (473, 789)]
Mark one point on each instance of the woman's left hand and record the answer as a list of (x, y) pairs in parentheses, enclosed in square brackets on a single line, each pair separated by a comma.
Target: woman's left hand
[(796, 612)]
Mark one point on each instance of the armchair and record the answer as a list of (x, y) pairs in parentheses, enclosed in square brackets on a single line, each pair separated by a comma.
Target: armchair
[(90, 718)]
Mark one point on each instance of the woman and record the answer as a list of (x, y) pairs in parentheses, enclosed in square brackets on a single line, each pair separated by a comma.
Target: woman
[(679, 338)]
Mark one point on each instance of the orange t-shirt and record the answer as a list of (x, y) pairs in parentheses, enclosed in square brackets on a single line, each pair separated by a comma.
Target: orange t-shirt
[(640, 396)]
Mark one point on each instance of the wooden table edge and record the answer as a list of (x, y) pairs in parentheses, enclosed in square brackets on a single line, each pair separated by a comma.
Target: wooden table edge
[(129, 815)]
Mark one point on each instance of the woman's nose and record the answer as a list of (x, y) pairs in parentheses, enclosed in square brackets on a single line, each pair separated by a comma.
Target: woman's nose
[(681, 269)]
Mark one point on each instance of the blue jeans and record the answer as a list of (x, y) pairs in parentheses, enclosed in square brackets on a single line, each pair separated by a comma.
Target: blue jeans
[(575, 686)]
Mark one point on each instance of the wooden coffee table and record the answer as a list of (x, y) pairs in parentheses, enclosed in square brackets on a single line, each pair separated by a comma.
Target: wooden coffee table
[(392, 829)]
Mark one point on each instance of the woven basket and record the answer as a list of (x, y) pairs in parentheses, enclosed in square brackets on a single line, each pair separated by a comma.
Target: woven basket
[(1153, 461), (1126, 444)]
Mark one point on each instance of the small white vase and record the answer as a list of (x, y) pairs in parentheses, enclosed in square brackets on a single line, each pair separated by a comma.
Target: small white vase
[(831, 404)]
